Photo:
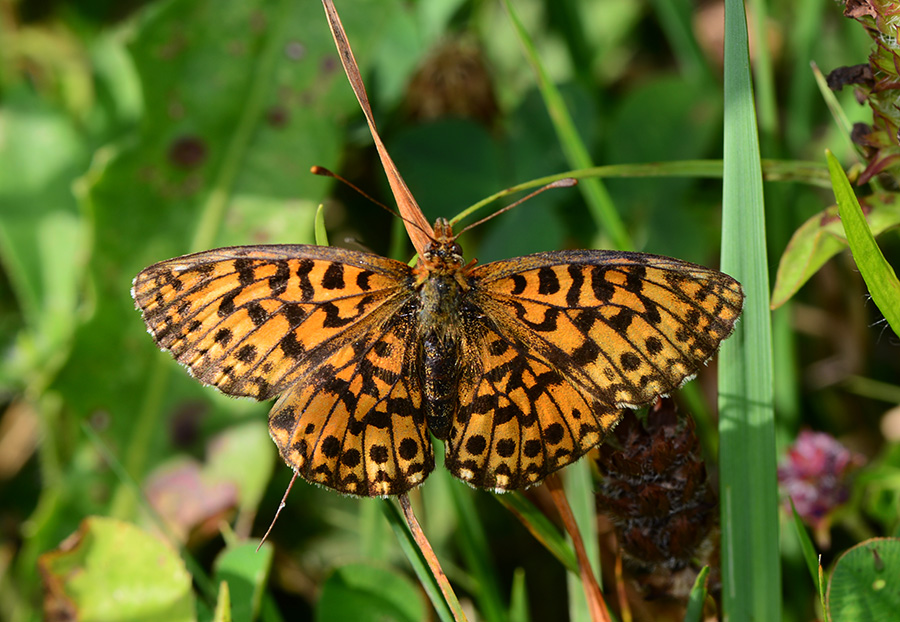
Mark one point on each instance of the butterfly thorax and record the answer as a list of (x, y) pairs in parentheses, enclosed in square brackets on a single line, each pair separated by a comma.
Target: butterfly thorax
[(441, 286)]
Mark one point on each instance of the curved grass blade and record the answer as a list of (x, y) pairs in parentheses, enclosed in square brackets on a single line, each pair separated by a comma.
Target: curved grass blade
[(442, 598), (595, 194), (541, 528), (321, 233), (876, 271), (697, 597)]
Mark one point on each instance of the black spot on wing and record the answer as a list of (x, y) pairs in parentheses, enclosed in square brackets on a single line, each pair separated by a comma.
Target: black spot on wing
[(362, 280), (519, 284), (246, 354), (548, 283), (226, 305), (244, 269), (573, 295), (603, 290), (334, 276), (303, 269), (278, 281), (257, 313)]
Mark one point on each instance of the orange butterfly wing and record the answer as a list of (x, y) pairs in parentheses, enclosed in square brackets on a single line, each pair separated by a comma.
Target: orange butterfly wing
[(564, 341), (328, 323)]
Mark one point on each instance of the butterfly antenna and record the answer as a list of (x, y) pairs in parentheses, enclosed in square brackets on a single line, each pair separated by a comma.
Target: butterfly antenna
[(324, 172), (568, 182), (278, 511)]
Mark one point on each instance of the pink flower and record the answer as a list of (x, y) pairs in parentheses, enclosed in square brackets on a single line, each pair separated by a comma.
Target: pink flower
[(815, 475)]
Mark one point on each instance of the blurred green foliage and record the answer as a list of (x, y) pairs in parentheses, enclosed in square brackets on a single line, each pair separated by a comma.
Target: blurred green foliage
[(134, 132)]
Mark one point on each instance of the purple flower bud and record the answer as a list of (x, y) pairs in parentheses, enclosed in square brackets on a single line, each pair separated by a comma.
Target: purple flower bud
[(815, 475)]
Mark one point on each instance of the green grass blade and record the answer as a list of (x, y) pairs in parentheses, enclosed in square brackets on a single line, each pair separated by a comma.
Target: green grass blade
[(223, 604), (674, 18), (417, 561), (518, 608), (811, 173), (477, 555), (541, 528), (321, 232), (751, 571), (767, 110), (595, 194), (876, 271), (837, 112), (697, 597), (580, 493), (809, 554)]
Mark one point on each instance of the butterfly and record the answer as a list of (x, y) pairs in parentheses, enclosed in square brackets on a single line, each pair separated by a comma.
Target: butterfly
[(519, 366)]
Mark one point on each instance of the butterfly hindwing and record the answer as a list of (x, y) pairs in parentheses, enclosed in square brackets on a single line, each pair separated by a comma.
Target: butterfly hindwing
[(519, 417), (253, 320), (356, 423)]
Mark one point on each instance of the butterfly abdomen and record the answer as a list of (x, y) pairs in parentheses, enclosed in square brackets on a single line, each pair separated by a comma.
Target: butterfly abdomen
[(439, 347), (440, 381)]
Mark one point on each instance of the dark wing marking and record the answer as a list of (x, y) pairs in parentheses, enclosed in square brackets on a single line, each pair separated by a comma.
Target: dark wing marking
[(519, 418), (356, 423), (625, 326), (252, 320)]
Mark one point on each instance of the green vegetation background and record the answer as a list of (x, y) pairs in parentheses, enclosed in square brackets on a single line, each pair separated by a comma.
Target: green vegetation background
[(134, 132)]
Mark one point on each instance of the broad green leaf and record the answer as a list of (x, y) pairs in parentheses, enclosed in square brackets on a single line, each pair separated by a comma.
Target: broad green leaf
[(246, 571), (365, 593), (822, 237), (112, 571), (43, 241), (241, 98), (863, 585)]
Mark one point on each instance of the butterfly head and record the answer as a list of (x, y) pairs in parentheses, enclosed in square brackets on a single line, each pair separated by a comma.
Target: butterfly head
[(443, 253)]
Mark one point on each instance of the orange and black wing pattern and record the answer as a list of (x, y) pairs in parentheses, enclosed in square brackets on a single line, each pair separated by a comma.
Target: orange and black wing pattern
[(327, 323), (563, 341)]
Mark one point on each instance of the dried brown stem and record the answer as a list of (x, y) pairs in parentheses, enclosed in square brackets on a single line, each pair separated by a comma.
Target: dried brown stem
[(596, 604)]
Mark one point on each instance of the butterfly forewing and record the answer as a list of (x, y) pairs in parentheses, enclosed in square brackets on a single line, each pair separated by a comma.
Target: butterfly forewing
[(254, 320), (625, 326)]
